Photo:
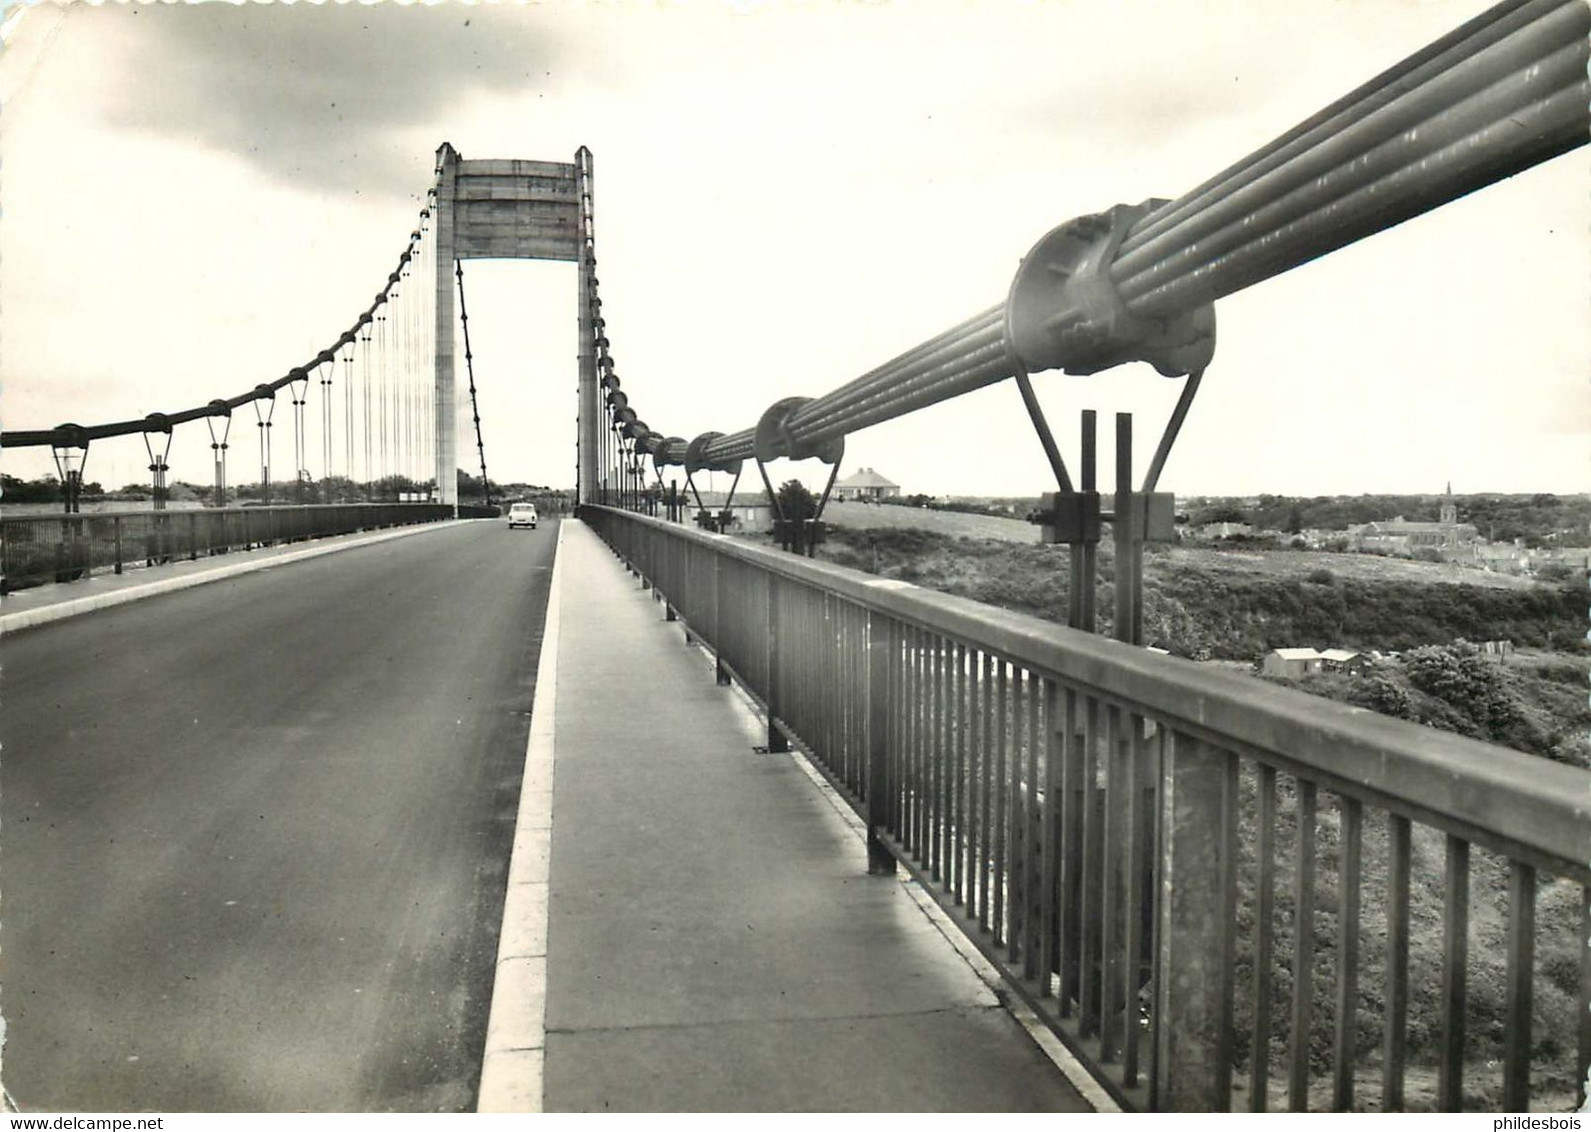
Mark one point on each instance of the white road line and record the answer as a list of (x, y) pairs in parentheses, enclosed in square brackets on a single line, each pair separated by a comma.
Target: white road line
[(511, 1071)]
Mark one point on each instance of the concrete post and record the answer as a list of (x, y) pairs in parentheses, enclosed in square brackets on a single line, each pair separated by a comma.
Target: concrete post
[(1198, 890), (444, 392)]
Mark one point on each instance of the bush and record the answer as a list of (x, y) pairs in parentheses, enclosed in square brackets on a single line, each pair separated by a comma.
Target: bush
[(1381, 693), (1458, 676)]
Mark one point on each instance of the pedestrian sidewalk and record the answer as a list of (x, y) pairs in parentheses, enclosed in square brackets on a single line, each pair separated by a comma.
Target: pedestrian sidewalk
[(39, 605), (713, 941)]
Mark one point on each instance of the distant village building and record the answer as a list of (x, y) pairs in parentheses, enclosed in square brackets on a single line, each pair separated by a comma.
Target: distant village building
[(865, 485), (1223, 530), (1401, 534), (1516, 558), (1291, 662), (749, 511), (1344, 660)]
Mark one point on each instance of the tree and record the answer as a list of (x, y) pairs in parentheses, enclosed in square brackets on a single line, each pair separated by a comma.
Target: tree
[(795, 502), (45, 489), (1223, 513)]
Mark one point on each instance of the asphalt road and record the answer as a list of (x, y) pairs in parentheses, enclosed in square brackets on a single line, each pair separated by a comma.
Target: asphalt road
[(256, 833)]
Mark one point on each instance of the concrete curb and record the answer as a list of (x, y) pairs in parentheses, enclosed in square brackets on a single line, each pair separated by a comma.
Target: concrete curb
[(511, 1069), (28, 618)]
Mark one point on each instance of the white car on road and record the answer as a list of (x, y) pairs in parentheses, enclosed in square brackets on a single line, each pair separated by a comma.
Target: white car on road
[(522, 515)]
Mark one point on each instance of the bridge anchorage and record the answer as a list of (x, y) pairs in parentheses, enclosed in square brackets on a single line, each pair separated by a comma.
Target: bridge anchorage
[(1108, 826)]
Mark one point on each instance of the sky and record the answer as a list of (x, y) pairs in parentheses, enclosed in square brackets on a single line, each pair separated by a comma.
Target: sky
[(199, 197)]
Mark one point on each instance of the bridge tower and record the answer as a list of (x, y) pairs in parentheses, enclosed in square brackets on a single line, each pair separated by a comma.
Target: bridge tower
[(512, 210)]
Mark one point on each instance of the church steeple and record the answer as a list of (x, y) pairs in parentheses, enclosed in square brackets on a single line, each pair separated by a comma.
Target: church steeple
[(1449, 508)]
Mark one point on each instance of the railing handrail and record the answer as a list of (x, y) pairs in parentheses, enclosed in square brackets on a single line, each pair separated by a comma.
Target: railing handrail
[(52, 516), (1523, 805)]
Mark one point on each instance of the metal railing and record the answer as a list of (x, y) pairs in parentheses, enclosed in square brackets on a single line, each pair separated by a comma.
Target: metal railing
[(62, 548), (1135, 841)]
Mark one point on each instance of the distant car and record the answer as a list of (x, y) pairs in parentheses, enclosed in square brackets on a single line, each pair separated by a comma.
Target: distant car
[(522, 515)]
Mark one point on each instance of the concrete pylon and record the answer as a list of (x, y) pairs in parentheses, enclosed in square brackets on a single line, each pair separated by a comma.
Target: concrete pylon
[(445, 389), (509, 210), (590, 426)]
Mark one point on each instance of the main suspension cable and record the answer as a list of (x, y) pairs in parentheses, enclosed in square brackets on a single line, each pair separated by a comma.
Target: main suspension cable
[(469, 368)]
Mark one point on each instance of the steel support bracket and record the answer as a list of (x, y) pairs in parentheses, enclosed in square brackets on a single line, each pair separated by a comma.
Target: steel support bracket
[(1077, 517), (1153, 515), (1064, 312), (1069, 517)]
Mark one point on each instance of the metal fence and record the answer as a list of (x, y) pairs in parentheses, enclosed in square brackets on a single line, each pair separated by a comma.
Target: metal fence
[(1220, 893), (62, 548)]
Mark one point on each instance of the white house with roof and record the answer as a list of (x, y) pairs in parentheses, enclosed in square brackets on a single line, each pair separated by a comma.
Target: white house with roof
[(1350, 661), (1291, 662), (865, 484)]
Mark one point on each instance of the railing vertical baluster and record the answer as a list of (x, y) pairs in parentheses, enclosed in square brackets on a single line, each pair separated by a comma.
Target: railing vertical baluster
[(856, 705), (1088, 895), (1455, 962), (1352, 815), (943, 828), (880, 656), (841, 681), (1015, 865), (860, 664), (1197, 846), (1032, 841), (972, 831), (1136, 829), (818, 673), (1264, 941), (984, 721), (1001, 797), (936, 756), (1050, 833), (1226, 974), (912, 708), (823, 668), (950, 857), (776, 690), (919, 728), (958, 789), (897, 729), (1111, 991), (1521, 971), (1397, 996), (1162, 825), (1069, 941), (1303, 949)]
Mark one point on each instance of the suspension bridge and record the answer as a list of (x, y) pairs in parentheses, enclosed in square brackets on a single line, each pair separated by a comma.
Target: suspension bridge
[(363, 804)]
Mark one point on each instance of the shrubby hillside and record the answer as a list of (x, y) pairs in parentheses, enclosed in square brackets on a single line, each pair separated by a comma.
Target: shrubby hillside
[(1237, 613)]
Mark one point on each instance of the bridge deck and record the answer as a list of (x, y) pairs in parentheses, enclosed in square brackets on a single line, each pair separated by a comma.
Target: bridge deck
[(714, 941)]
